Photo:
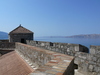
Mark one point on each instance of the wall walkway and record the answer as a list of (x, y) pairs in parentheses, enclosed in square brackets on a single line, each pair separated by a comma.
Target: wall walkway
[(48, 62)]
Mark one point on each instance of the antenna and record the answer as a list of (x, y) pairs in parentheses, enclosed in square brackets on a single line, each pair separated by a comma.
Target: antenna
[(20, 25)]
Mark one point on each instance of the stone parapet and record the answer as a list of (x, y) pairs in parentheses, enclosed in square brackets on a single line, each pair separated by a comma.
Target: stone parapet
[(4, 40), (65, 48), (7, 45), (88, 64), (48, 62)]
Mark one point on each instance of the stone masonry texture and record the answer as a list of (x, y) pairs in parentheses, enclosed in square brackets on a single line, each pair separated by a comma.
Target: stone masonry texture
[(25, 36), (88, 63), (65, 48), (46, 62)]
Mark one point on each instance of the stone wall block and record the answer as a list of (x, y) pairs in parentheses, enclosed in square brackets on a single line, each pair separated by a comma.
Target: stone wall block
[(98, 73), (83, 67), (76, 48), (92, 62), (89, 57), (82, 60), (91, 67), (97, 52), (68, 50), (76, 61), (56, 49), (98, 60), (92, 50), (94, 58), (62, 46), (95, 69), (98, 64), (42, 44)]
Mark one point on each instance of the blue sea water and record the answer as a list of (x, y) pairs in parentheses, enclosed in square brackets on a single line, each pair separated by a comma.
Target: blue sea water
[(83, 41)]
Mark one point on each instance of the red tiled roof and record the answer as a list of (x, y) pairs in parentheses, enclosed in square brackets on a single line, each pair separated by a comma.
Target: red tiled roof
[(12, 64), (20, 29)]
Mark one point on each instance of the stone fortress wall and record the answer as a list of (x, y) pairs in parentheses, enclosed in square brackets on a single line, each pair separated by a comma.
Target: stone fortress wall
[(43, 62), (88, 63), (46, 62), (4, 40), (6, 47), (65, 48)]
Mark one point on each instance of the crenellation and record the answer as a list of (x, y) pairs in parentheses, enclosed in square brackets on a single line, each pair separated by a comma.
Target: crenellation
[(65, 48)]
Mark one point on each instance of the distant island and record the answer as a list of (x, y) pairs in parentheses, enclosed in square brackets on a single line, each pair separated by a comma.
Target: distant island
[(76, 36), (85, 36)]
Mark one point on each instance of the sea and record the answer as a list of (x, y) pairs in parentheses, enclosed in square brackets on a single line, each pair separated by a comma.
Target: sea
[(83, 41)]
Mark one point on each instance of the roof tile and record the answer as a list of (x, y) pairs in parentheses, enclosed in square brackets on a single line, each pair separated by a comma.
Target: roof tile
[(20, 29), (12, 64)]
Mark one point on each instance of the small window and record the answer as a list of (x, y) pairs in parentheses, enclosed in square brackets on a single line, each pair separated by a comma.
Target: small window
[(22, 40), (51, 44), (36, 42)]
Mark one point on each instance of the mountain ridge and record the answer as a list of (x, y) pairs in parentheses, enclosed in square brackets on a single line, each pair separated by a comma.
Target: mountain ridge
[(3, 35), (84, 36), (75, 36)]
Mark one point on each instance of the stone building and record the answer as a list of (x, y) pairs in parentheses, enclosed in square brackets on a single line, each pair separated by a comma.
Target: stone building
[(20, 34)]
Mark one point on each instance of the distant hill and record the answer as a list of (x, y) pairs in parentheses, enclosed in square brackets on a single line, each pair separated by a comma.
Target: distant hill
[(85, 36), (3, 35), (75, 36)]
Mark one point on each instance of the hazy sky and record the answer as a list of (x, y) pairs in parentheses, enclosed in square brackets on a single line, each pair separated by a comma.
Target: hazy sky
[(51, 17)]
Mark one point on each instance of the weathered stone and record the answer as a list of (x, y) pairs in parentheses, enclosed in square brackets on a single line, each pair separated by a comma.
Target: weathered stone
[(97, 69), (76, 48), (77, 60), (68, 50), (42, 44), (61, 46), (98, 73), (82, 60), (91, 68), (89, 57), (86, 62), (92, 62), (94, 58), (92, 51), (98, 60), (84, 66)]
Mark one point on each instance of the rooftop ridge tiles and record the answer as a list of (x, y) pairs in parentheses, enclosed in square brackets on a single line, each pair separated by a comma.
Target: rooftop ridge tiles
[(20, 29)]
